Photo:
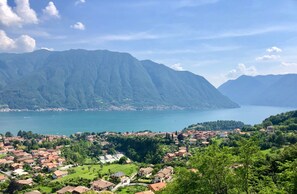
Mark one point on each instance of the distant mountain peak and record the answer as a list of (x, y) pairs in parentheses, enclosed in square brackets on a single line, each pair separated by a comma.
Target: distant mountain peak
[(267, 90), (100, 79)]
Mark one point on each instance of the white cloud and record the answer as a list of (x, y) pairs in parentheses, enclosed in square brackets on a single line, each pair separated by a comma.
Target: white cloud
[(51, 10), (177, 67), (274, 49), (128, 37), (78, 26), (288, 64), (7, 16), (6, 43), (241, 69), (24, 43), (79, 2), (25, 12), (48, 49), (268, 58)]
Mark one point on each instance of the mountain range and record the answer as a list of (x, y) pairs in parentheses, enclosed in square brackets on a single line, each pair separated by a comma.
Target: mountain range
[(101, 79), (265, 90)]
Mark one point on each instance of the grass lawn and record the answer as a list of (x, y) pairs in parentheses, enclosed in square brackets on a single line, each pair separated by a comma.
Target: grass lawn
[(272, 150), (131, 189), (265, 152), (43, 189), (91, 171)]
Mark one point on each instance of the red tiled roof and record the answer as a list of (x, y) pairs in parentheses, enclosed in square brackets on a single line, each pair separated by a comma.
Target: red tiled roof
[(157, 186)]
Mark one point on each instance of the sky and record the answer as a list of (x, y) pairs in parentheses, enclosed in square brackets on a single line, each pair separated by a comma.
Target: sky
[(218, 39)]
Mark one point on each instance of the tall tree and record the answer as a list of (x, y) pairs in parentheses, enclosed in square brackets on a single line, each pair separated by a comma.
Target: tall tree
[(248, 150)]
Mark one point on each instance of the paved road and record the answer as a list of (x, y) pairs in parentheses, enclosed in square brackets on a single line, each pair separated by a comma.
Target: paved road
[(8, 173)]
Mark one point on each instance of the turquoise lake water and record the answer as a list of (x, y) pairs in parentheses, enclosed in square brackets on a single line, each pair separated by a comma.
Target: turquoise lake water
[(67, 123)]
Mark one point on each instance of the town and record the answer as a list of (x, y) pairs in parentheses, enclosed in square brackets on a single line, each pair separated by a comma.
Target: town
[(142, 162), (26, 168)]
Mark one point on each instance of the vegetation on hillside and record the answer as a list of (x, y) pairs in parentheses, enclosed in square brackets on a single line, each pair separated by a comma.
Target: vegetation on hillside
[(81, 79), (216, 125), (256, 162), (140, 149), (240, 169), (255, 159)]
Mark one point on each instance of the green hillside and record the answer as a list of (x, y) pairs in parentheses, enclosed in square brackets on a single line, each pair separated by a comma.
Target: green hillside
[(81, 79)]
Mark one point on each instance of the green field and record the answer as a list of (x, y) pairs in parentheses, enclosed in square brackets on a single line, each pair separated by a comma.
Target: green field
[(43, 189), (131, 189), (91, 171)]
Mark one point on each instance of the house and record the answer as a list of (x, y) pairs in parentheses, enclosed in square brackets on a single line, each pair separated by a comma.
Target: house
[(73, 190), (36, 168), (192, 141), (262, 130), (3, 161), (67, 189), (182, 152), (121, 177), (270, 129), (205, 143), (169, 157), (110, 158), (17, 166), (164, 174), (125, 180), (19, 172), (223, 135), (27, 182), (29, 162), (118, 175), (157, 186), (58, 174), (50, 166), (80, 189), (145, 192), (101, 185), (3, 178), (145, 172)]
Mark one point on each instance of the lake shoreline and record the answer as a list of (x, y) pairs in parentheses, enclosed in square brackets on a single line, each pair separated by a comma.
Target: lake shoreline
[(68, 122), (113, 108)]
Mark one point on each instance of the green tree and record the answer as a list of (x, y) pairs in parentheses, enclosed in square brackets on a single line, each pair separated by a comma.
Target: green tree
[(8, 134), (248, 150), (214, 173)]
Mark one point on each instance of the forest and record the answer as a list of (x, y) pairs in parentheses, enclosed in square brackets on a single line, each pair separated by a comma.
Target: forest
[(258, 162)]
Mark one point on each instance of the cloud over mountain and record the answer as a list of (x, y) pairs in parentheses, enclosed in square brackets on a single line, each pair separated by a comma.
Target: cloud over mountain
[(23, 43), (241, 69)]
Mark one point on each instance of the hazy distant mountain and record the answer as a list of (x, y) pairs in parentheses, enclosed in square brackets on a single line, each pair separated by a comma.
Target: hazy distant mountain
[(80, 79), (268, 90)]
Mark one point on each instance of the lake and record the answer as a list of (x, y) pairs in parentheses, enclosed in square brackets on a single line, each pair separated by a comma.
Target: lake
[(66, 123)]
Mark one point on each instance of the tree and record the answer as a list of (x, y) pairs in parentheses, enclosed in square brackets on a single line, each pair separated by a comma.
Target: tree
[(8, 134), (248, 150), (288, 176), (180, 137), (123, 160), (214, 173)]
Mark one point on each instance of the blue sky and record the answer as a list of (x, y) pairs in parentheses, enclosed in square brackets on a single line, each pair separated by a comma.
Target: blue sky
[(218, 39)]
